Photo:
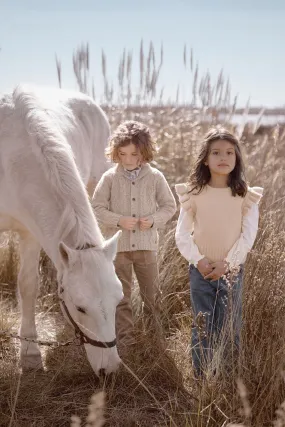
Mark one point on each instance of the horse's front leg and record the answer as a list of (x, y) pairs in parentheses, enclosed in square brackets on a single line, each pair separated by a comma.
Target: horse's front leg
[(28, 286)]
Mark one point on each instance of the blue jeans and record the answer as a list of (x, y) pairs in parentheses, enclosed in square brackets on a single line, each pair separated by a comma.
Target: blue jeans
[(213, 299)]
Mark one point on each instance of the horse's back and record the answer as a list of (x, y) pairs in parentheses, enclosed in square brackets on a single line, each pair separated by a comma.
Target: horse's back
[(82, 121), (77, 121)]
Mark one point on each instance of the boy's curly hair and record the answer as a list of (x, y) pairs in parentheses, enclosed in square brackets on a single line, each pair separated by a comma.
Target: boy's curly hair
[(131, 132)]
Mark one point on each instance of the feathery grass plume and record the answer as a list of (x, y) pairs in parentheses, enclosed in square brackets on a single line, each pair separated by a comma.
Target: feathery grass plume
[(80, 61), (148, 72), (129, 76), (244, 118), (58, 70), (161, 96), (152, 53), (208, 89), (153, 84), (96, 410), (103, 64), (201, 91), (185, 55), (161, 56), (95, 416), (120, 82), (280, 420), (226, 95), (93, 90), (160, 62), (232, 110), (75, 421), (219, 88), (191, 60), (87, 57), (221, 92), (129, 64), (121, 76), (111, 94), (258, 120), (246, 410), (141, 65), (177, 94), (195, 86), (108, 89), (123, 63)]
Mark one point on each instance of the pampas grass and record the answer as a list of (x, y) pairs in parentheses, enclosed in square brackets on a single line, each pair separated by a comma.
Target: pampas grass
[(155, 385), (95, 416)]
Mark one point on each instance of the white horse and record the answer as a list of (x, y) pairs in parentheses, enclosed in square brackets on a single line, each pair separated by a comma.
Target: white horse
[(51, 148)]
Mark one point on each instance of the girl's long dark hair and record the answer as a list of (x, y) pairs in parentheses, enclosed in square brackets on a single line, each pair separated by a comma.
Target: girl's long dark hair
[(200, 175)]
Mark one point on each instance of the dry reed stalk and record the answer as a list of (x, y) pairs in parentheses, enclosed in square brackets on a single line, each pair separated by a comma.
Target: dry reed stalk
[(68, 382)]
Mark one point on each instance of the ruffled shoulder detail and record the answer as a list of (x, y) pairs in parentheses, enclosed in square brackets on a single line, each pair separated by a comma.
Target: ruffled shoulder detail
[(185, 199), (181, 189), (253, 196)]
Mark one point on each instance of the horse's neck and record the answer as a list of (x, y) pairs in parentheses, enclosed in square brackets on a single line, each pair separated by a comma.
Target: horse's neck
[(52, 222), (79, 228)]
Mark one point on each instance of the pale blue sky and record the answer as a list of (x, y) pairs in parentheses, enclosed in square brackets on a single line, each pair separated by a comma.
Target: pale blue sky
[(246, 38)]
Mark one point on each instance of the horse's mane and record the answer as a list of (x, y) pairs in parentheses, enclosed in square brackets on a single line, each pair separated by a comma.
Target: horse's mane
[(47, 121)]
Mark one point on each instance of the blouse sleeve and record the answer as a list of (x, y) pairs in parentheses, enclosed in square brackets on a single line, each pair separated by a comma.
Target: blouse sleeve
[(250, 217), (185, 224)]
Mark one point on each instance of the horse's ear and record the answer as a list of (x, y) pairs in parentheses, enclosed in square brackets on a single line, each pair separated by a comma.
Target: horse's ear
[(65, 254), (111, 245)]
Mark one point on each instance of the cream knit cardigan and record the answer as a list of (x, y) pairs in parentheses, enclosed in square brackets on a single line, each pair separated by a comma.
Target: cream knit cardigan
[(148, 195)]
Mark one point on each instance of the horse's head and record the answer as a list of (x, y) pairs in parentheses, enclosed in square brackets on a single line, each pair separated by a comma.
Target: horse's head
[(90, 292)]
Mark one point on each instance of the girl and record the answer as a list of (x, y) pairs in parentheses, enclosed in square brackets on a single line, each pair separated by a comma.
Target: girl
[(222, 212), (135, 197)]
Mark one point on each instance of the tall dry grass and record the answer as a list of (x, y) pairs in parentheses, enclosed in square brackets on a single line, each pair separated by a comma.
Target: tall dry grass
[(156, 387), (206, 93), (160, 389)]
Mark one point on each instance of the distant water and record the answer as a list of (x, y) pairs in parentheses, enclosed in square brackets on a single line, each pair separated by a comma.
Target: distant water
[(253, 118)]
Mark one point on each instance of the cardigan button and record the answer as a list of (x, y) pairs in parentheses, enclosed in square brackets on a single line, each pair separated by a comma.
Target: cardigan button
[(133, 246), (133, 183), (134, 231), (133, 199)]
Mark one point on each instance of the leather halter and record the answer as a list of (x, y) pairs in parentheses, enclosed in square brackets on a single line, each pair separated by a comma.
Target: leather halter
[(84, 339)]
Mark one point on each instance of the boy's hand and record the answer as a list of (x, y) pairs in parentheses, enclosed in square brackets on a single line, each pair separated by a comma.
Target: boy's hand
[(204, 266), (219, 269), (146, 223), (128, 222)]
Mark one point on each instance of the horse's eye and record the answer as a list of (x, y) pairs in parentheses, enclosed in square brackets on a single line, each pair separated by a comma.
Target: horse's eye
[(81, 310)]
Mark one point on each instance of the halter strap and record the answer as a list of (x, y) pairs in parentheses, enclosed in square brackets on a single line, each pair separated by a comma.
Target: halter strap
[(84, 339)]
